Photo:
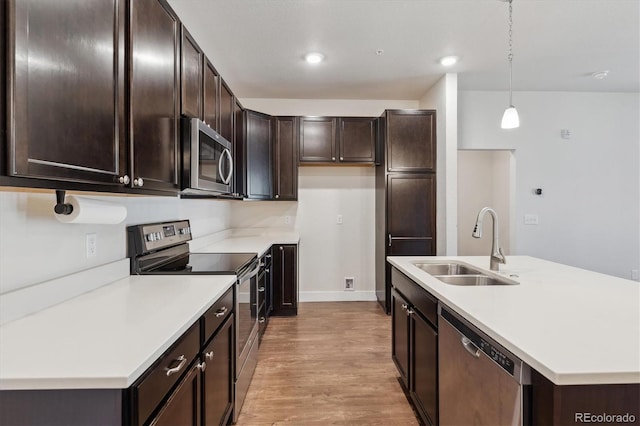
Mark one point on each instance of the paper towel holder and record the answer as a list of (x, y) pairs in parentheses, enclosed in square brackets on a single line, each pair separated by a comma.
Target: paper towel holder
[(61, 207)]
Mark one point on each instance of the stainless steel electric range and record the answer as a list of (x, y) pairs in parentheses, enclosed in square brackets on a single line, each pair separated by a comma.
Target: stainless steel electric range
[(162, 248)]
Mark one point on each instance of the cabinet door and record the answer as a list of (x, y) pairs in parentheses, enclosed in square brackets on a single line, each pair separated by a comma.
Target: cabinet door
[(286, 158), (258, 155), (357, 139), (227, 105), (239, 155), (285, 280), (65, 90), (211, 90), (217, 377), (191, 76), (183, 406), (400, 335), (424, 368), (317, 139), (411, 214), (155, 95), (411, 140)]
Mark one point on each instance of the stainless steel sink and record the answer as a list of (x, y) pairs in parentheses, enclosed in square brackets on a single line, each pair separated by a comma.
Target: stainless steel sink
[(473, 280), (456, 273), (446, 268)]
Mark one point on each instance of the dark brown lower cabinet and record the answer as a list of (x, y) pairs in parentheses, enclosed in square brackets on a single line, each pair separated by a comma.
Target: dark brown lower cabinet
[(285, 279), (183, 406), (217, 377), (414, 347)]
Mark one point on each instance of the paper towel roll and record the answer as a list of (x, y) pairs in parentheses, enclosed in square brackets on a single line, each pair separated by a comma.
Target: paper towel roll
[(88, 210)]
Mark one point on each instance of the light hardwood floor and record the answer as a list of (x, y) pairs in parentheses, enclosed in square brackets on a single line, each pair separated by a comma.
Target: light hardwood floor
[(330, 365)]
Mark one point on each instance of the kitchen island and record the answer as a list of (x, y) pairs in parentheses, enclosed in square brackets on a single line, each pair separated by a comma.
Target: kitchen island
[(579, 331)]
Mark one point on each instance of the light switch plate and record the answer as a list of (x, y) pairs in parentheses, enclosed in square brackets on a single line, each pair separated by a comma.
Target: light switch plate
[(91, 245)]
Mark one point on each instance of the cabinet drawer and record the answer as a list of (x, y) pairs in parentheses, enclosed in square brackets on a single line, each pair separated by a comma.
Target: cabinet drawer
[(420, 298), (153, 388), (215, 316)]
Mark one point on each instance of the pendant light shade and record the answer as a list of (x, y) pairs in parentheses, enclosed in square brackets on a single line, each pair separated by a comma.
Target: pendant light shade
[(510, 118)]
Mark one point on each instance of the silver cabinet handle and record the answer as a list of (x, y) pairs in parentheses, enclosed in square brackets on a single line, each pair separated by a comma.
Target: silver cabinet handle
[(277, 196), (267, 270), (404, 306), (410, 311), (389, 239), (260, 289), (333, 158), (268, 256), (261, 320), (209, 355), (221, 312), (281, 248), (470, 347), (138, 182), (341, 158), (183, 361), (202, 366), (124, 179)]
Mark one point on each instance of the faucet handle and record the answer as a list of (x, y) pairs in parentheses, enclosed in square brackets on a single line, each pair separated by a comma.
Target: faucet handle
[(503, 258)]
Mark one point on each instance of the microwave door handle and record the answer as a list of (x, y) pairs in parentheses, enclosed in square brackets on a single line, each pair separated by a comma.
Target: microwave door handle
[(228, 178)]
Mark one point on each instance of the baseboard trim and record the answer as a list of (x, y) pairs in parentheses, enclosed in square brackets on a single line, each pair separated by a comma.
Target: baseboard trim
[(337, 296)]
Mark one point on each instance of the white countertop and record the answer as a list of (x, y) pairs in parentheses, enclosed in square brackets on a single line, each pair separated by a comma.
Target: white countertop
[(105, 338), (108, 337), (571, 325)]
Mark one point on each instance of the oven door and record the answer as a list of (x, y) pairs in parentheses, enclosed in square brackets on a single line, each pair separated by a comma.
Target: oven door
[(246, 315), (211, 161)]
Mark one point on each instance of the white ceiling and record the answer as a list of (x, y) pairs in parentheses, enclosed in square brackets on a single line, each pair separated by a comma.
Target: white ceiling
[(258, 45)]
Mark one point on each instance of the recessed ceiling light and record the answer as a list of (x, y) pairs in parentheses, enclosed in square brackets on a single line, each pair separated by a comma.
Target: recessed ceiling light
[(379, 52), (447, 61), (314, 58), (600, 75)]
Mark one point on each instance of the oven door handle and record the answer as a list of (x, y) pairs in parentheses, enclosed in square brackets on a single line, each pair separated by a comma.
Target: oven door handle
[(252, 273)]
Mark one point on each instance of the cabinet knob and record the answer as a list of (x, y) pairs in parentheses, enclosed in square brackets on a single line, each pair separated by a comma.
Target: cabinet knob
[(209, 355), (124, 179), (267, 270), (138, 182), (262, 320), (202, 366), (333, 158), (277, 196), (341, 158)]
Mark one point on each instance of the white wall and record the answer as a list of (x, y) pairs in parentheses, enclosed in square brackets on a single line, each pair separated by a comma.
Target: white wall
[(443, 97), (328, 252), (484, 180), (36, 247), (589, 213)]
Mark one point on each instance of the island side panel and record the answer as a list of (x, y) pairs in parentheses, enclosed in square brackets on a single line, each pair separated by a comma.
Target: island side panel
[(580, 404)]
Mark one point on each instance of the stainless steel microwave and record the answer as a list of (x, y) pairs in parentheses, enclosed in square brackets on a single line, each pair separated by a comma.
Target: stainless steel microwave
[(207, 165)]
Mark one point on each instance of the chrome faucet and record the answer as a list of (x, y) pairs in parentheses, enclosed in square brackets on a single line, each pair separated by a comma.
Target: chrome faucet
[(497, 256)]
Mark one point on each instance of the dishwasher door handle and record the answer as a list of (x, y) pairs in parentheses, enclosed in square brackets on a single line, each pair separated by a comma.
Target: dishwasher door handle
[(470, 347)]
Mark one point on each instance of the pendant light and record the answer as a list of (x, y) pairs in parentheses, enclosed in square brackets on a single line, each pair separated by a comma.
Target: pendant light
[(510, 119)]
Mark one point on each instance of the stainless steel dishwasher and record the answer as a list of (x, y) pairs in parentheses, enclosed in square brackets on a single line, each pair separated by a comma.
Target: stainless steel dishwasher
[(480, 382)]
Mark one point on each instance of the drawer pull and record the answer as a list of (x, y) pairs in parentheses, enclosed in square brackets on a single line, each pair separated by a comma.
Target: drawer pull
[(209, 355), (260, 289), (183, 360), (261, 320), (221, 312)]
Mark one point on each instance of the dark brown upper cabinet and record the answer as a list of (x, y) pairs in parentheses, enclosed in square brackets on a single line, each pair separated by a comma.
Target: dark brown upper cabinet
[(411, 140), (191, 76), (239, 145), (66, 90), (210, 97), (317, 139), (285, 164), (155, 95), (258, 155), (338, 140), (227, 106), (357, 141)]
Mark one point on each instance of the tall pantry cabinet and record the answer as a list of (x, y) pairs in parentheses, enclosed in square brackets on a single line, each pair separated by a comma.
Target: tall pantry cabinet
[(405, 197)]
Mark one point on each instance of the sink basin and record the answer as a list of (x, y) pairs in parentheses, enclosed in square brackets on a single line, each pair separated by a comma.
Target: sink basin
[(446, 269), (473, 280)]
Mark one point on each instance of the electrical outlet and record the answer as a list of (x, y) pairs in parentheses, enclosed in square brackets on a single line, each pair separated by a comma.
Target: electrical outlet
[(349, 283), (287, 220), (635, 275), (91, 245), (339, 219), (530, 219)]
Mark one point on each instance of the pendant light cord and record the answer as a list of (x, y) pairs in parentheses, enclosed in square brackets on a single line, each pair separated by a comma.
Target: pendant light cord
[(510, 56)]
